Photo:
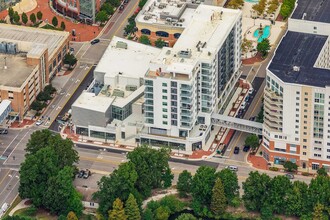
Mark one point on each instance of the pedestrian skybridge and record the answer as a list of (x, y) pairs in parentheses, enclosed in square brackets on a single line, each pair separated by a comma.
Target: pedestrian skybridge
[(237, 124)]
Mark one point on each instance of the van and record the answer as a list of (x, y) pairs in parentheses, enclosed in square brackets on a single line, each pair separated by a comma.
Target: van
[(232, 168)]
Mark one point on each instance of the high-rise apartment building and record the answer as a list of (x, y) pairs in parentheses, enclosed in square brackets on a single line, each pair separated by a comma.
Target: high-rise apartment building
[(187, 83), (297, 92)]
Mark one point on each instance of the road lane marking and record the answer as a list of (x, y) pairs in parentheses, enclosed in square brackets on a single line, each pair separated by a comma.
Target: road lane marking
[(126, 18), (4, 177), (11, 143), (17, 145)]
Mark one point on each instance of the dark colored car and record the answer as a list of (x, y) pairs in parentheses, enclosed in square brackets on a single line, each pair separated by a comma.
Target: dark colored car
[(125, 2), (247, 98), (95, 41), (290, 176), (87, 174), (121, 8), (236, 150), (81, 174), (4, 131), (246, 148)]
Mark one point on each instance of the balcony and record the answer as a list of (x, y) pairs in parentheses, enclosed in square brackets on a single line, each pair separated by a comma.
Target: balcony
[(186, 94), (186, 87)]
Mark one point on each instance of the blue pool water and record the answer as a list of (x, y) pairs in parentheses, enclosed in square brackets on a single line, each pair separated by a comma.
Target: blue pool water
[(265, 34), (252, 1)]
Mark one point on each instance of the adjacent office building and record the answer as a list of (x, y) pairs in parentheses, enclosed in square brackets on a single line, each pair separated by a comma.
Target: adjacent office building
[(82, 10), (29, 59), (187, 83), (297, 92)]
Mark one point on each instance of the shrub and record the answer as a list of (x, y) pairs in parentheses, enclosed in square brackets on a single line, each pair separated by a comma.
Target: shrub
[(305, 174), (273, 168)]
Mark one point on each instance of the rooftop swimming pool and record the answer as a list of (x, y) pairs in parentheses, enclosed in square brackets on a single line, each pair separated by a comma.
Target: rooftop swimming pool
[(265, 33)]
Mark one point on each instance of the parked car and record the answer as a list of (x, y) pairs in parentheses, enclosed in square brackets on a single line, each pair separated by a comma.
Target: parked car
[(87, 174), (121, 8), (246, 148), (247, 98), (39, 122), (250, 91), (81, 173), (3, 131), (125, 2), (95, 41), (232, 168), (290, 176), (236, 150), (243, 105)]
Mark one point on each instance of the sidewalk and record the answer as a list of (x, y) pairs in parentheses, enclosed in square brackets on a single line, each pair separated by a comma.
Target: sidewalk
[(21, 125), (19, 206)]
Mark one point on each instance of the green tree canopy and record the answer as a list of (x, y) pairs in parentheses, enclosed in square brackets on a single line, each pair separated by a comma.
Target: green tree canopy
[(114, 3), (318, 212), (150, 165), (35, 172), (319, 192), (16, 17), (11, 14), (109, 9), (33, 18), (252, 140), (70, 60), (101, 16), (255, 189), (54, 21), (132, 209), (263, 47), (117, 212), (71, 216), (322, 172), (186, 216), (63, 25), (296, 204), (144, 39), (162, 213), (61, 196), (218, 200), (201, 188), (24, 18), (39, 15), (184, 183), (119, 184), (290, 166), (160, 43), (230, 182)]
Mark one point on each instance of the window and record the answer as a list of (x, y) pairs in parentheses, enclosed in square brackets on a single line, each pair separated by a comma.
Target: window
[(304, 153), (296, 132), (306, 99), (297, 92), (164, 84), (304, 140), (305, 147), (315, 166), (306, 105), (297, 115), (164, 97), (297, 126), (306, 93), (164, 116), (297, 98), (165, 103), (305, 110), (164, 109), (297, 109), (305, 133), (297, 121), (297, 104), (164, 122), (164, 90)]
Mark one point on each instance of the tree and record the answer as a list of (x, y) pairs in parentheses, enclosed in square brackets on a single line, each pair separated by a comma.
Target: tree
[(33, 18), (101, 16), (63, 25), (201, 188), (160, 43), (290, 166), (252, 140), (35, 172), (71, 216), (263, 47), (255, 189), (130, 27), (322, 172), (114, 3), (186, 216), (117, 212), (37, 105), (285, 11), (296, 201), (54, 21), (148, 215), (132, 209), (150, 165), (24, 18), (61, 196), (318, 192), (16, 17), (142, 3), (162, 213), (184, 183), (63, 148), (119, 184), (144, 39), (230, 183), (167, 177), (173, 204), (318, 212), (218, 200), (11, 14), (279, 190), (109, 9), (39, 15), (70, 60)]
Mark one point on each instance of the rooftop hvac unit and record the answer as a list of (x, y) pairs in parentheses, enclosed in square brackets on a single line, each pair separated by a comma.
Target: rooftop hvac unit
[(121, 44), (12, 48), (3, 47), (118, 92), (131, 88)]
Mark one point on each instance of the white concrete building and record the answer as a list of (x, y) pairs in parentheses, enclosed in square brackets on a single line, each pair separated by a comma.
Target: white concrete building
[(187, 83), (112, 107), (297, 93)]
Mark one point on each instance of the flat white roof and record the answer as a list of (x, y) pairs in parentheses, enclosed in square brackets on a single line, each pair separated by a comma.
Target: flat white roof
[(131, 62), (175, 13), (206, 32), (90, 101), (50, 38)]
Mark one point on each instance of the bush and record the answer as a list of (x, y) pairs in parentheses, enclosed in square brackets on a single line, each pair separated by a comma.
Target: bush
[(305, 174), (173, 203), (235, 202), (273, 168)]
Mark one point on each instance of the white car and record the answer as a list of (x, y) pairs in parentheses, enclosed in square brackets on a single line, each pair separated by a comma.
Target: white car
[(250, 91), (243, 105), (39, 122)]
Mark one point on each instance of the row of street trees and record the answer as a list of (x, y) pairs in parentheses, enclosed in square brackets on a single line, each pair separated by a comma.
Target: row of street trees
[(46, 175), (14, 17), (107, 9)]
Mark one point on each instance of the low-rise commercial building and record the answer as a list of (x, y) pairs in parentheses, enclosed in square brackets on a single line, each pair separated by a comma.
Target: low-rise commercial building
[(29, 59), (297, 92)]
